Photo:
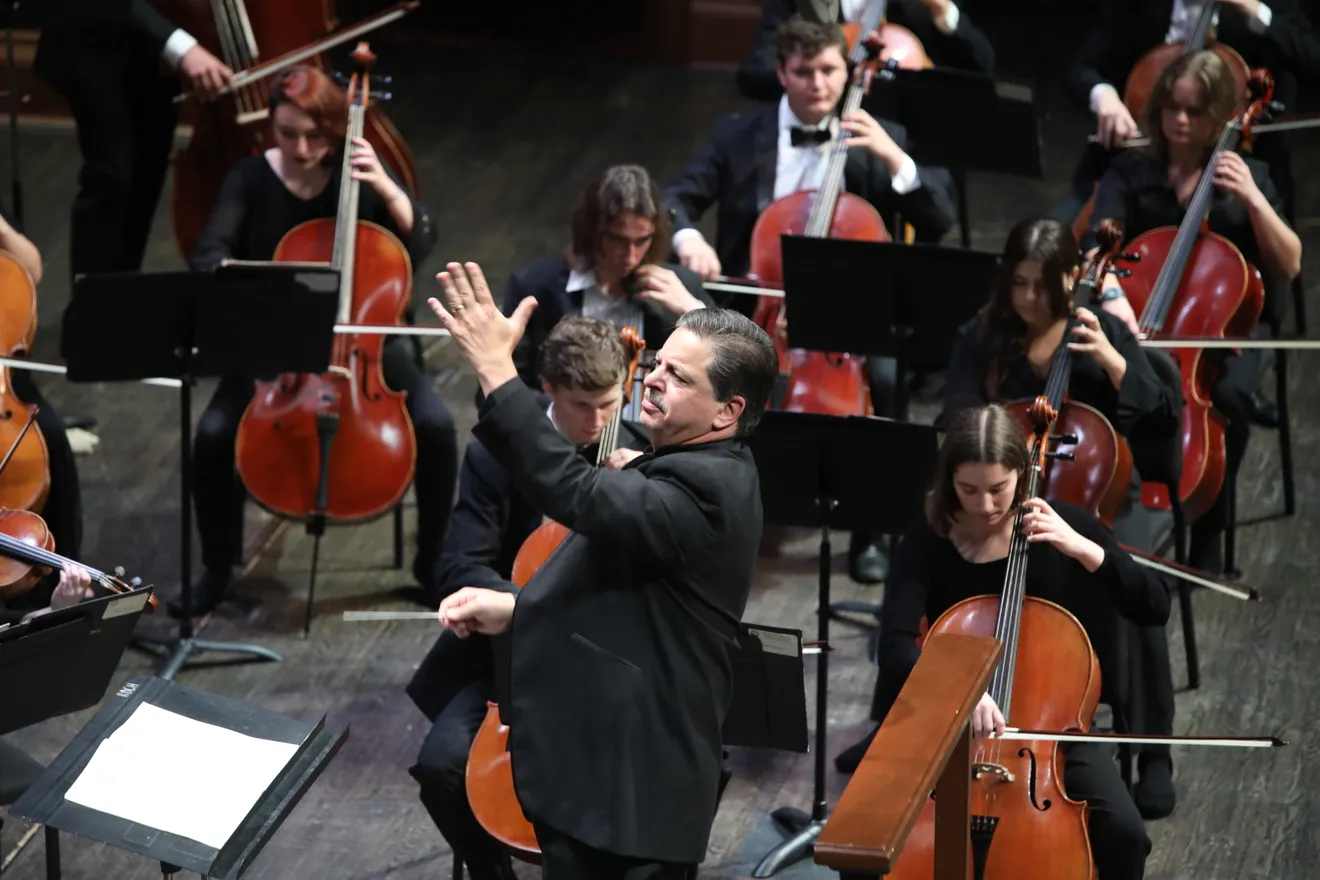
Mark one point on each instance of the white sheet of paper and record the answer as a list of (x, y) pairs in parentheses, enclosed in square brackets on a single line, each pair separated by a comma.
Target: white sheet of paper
[(180, 775)]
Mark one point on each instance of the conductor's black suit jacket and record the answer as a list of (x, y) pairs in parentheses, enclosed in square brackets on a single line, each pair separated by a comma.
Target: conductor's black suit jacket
[(619, 669)]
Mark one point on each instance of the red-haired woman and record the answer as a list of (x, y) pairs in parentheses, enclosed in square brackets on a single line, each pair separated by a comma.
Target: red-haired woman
[(263, 198)]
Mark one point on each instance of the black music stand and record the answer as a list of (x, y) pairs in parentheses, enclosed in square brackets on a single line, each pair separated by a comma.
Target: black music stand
[(904, 301), (79, 646), (962, 119), (125, 326), (835, 472), (45, 804)]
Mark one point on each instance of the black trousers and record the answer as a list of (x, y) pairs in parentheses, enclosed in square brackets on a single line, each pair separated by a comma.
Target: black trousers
[(125, 116), (564, 858), (1119, 842), (219, 493), (441, 771)]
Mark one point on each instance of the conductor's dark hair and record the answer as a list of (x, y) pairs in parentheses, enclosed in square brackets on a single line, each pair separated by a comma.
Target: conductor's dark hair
[(797, 36), (743, 362), (618, 190), (977, 435)]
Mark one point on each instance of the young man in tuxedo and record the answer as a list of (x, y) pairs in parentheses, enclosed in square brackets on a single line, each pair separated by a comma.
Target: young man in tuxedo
[(582, 365), (619, 668), (765, 154), (109, 72), (946, 31), (612, 268)]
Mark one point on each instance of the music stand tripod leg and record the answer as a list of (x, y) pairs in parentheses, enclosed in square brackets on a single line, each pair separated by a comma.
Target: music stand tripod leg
[(185, 644), (327, 423), (803, 828)]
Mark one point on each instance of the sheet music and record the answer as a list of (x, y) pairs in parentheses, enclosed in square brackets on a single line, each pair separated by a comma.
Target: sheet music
[(171, 772)]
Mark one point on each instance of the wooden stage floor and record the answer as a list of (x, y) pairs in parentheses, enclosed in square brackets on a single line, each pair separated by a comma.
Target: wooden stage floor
[(503, 144)]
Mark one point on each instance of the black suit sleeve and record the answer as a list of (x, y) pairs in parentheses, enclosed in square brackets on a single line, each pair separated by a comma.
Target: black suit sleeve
[(220, 237), (698, 186), (900, 616), (1142, 396), (692, 281), (1095, 60), (528, 349), (476, 526), (154, 27), (926, 208), (1136, 592), (966, 48), (1294, 39), (656, 515), (758, 78), (964, 386)]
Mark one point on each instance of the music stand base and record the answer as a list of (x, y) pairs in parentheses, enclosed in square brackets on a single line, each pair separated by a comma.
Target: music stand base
[(181, 649), (803, 830)]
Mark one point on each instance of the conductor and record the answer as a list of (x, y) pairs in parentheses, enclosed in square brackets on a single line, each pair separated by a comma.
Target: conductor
[(619, 669)]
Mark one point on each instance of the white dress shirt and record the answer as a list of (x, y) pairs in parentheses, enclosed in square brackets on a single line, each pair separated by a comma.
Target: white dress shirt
[(177, 46), (621, 312), (1181, 24), (852, 11), (803, 167)]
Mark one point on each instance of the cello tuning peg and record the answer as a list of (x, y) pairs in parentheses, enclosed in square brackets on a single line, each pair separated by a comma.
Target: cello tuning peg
[(386, 79), (1064, 438), (340, 77), (135, 582), (1130, 258), (1122, 273), (119, 571), (1062, 456), (382, 96), (1276, 107)]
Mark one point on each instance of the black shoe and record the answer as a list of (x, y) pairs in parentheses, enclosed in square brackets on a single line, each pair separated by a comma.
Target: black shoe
[(1263, 412), (207, 592), (848, 760), (1154, 792), (870, 566)]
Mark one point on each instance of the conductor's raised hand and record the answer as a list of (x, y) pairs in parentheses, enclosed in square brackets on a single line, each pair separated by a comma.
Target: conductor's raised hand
[(483, 333), (476, 610)]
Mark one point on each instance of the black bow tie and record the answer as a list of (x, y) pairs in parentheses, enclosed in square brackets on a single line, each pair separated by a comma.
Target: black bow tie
[(802, 136)]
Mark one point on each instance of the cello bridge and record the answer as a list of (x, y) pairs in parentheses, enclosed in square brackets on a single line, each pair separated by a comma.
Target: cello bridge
[(340, 371), (999, 770)]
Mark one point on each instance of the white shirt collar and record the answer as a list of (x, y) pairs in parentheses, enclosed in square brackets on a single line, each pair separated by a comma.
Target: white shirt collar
[(788, 119), (580, 280)]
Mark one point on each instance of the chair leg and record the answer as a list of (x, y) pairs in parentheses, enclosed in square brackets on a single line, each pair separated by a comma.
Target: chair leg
[(1285, 431), (52, 853), (1299, 304), (964, 213), (458, 868), (398, 535), (1185, 600)]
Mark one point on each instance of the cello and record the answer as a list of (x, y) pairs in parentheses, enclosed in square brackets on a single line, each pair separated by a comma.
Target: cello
[(489, 776), (898, 45), (1096, 473), (831, 384), (233, 127), (1191, 282), (1146, 72), (25, 461), (1017, 796), (339, 444)]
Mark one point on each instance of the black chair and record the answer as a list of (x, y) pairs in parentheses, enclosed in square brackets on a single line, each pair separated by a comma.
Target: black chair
[(17, 773)]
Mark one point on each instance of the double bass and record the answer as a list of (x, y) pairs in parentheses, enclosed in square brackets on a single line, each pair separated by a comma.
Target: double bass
[(489, 775), (1096, 470), (234, 126), (1190, 282), (831, 384), (339, 444)]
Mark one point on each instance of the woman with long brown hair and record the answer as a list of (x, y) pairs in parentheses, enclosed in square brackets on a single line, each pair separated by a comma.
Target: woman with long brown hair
[(961, 550), (265, 196)]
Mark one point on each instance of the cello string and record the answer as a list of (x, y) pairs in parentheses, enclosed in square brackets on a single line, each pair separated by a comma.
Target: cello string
[(228, 45)]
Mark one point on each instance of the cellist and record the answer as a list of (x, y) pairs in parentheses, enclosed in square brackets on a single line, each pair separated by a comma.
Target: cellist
[(612, 268), (947, 33), (582, 363), (756, 157), (1005, 353), (961, 550), (263, 198), (1147, 188)]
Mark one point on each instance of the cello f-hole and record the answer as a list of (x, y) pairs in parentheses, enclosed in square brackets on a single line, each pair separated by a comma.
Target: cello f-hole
[(1031, 778)]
